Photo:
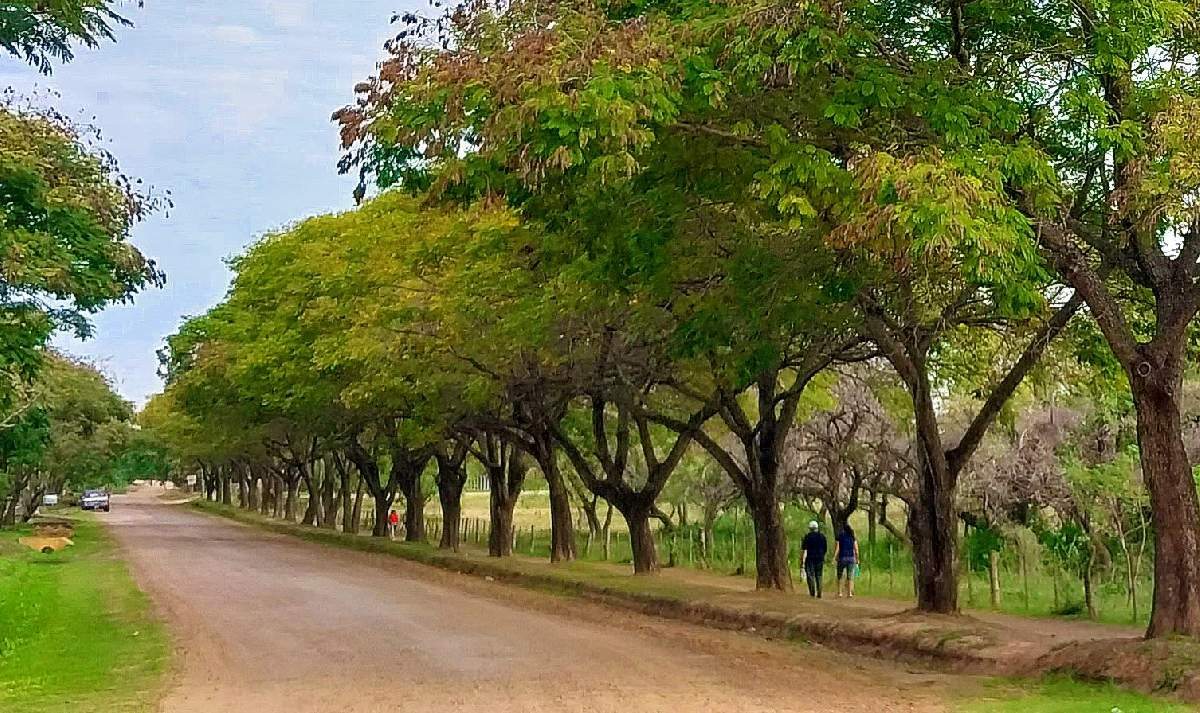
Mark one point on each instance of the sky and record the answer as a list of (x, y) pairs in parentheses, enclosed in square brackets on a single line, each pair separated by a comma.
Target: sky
[(227, 104)]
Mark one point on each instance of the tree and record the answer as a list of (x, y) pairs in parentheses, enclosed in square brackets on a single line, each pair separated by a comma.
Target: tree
[(71, 440), (64, 231), (42, 32), (844, 449), (1078, 141)]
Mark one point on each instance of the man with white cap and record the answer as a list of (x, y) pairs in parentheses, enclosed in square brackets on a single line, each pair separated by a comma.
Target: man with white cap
[(813, 548)]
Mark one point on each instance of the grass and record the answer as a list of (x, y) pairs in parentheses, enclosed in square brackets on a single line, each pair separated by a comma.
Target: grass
[(76, 634), (1063, 695)]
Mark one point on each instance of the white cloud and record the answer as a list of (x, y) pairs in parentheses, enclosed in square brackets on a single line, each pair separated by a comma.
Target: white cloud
[(236, 35), (288, 14)]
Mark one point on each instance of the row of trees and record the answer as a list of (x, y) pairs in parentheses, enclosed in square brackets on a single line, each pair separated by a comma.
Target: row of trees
[(644, 228), (76, 434), (66, 212)]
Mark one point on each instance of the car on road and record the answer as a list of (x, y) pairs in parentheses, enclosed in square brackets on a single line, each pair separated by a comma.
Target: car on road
[(95, 500)]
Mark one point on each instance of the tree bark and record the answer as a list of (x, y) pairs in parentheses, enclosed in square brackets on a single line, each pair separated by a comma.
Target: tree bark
[(289, 508), (414, 505), (383, 506), (708, 527), (243, 489), (264, 502), (253, 498), (349, 512), (770, 542), (356, 515), (311, 510), (933, 535), (329, 500), (279, 500), (451, 478), (506, 469), (641, 536), (1174, 504), (562, 527)]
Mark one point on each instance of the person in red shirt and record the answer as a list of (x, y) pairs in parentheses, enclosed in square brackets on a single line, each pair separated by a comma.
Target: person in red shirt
[(393, 522)]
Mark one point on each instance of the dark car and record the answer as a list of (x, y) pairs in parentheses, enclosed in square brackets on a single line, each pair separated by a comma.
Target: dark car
[(95, 500)]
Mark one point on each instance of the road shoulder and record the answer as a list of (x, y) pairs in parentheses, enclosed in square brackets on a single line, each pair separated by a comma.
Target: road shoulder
[(76, 633)]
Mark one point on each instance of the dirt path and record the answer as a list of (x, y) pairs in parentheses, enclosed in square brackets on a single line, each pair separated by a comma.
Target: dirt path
[(269, 624)]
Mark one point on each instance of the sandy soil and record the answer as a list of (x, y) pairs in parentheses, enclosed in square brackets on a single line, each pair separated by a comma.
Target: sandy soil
[(268, 624)]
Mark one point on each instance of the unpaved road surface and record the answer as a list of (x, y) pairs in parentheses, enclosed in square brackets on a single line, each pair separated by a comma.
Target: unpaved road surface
[(270, 624)]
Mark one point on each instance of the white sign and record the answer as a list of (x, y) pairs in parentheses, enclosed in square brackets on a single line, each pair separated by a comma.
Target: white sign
[(50, 499), (191, 480)]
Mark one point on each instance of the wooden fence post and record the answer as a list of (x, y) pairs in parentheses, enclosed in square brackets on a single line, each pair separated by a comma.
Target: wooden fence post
[(994, 577)]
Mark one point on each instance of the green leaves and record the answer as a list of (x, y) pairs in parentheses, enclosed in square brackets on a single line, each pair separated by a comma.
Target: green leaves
[(41, 32), (65, 217)]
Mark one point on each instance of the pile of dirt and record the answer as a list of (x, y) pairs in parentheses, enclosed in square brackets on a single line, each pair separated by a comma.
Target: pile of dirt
[(1165, 667), (54, 528)]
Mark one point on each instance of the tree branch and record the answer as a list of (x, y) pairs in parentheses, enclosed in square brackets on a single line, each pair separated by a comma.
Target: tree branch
[(960, 454)]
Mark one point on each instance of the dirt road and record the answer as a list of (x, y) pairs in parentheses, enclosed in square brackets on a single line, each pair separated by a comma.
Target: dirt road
[(268, 624)]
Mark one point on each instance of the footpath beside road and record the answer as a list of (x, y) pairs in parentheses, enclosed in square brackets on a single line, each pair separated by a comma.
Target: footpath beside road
[(995, 644)]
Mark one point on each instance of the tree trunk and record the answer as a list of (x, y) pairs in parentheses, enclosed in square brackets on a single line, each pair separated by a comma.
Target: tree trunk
[(1175, 507), (872, 521), (932, 524), (329, 500), (243, 489), (641, 537), (349, 512), (414, 507), (500, 534), (1089, 596), (356, 515), (933, 536), (312, 509), (708, 527), (770, 542), (562, 526), (253, 500), (289, 508), (450, 487), (590, 508), (383, 505), (268, 488), (505, 480), (280, 489)]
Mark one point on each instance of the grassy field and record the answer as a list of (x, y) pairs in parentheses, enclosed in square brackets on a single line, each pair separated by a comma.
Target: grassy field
[(76, 634), (1061, 695)]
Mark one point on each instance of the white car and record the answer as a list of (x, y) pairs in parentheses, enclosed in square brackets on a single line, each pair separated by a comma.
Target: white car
[(95, 500)]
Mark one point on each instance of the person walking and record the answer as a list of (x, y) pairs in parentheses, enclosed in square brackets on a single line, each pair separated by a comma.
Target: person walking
[(813, 549), (393, 523), (845, 553)]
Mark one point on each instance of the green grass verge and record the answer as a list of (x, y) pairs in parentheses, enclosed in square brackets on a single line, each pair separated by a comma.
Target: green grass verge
[(1063, 695), (76, 634)]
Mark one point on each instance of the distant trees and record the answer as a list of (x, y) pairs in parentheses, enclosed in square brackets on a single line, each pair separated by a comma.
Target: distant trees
[(74, 436)]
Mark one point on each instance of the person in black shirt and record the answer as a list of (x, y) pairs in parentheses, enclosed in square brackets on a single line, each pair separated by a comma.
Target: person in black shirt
[(814, 548)]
